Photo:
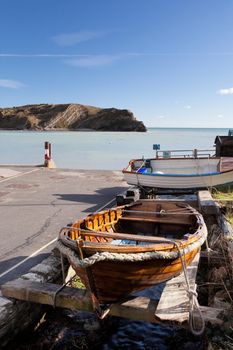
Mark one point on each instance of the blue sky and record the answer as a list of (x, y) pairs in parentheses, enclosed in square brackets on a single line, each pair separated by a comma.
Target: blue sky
[(169, 61)]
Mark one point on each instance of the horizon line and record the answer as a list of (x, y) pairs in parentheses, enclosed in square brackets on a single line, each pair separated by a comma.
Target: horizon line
[(133, 54)]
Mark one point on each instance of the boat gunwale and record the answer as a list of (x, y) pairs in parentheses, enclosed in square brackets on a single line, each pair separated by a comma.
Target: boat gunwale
[(160, 246), (125, 170), (165, 246)]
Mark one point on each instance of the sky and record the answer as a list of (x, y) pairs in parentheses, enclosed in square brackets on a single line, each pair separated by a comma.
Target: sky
[(170, 62)]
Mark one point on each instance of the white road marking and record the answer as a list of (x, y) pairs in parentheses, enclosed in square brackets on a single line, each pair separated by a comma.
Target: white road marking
[(17, 175), (105, 205), (48, 244), (29, 257)]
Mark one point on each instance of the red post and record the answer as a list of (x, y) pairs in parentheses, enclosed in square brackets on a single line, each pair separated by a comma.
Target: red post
[(50, 151), (46, 153), (46, 149), (48, 162)]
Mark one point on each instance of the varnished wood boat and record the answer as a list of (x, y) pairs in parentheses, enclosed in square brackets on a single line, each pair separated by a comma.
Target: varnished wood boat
[(132, 247), (180, 173)]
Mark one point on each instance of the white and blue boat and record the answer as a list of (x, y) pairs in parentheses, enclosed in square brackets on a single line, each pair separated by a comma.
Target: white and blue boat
[(180, 173)]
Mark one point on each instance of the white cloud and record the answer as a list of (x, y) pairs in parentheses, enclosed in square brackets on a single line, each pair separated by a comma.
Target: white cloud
[(187, 107), (94, 61), (220, 116), (11, 84), (161, 116), (76, 38), (228, 91)]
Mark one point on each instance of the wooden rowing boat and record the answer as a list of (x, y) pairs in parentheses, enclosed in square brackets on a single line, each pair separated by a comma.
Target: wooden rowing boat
[(132, 247), (180, 173)]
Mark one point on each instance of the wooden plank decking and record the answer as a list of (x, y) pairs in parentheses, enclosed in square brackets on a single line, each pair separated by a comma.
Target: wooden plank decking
[(173, 305), (171, 309)]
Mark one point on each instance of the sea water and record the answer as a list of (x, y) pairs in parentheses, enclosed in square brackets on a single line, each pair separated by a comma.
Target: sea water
[(99, 150)]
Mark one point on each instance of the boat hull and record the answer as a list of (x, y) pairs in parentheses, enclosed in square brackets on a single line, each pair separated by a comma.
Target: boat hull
[(129, 248), (178, 182), (111, 281)]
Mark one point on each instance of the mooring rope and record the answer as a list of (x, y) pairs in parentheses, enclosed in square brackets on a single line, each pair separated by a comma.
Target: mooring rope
[(117, 257), (64, 284), (193, 301), (97, 257), (193, 304)]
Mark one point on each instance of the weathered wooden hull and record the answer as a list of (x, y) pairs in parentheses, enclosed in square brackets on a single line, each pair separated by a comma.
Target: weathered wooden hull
[(181, 173), (111, 281), (130, 248)]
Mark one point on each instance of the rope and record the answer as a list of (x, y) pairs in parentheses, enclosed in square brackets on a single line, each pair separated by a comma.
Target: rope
[(181, 211), (67, 247), (63, 279), (56, 293), (193, 302), (192, 295), (106, 256), (143, 163), (194, 305), (62, 267)]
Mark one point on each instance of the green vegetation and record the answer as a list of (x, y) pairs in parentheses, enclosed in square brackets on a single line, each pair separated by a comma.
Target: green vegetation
[(224, 195), (229, 217), (77, 283)]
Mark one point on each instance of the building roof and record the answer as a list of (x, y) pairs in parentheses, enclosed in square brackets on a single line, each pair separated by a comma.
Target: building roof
[(224, 140)]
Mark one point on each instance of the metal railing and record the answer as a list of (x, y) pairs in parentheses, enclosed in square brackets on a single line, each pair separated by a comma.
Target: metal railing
[(186, 153)]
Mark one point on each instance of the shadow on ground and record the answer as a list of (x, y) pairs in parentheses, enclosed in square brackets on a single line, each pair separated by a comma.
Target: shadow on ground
[(100, 197), (20, 270)]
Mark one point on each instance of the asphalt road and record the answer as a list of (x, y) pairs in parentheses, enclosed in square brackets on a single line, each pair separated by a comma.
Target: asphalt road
[(36, 203)]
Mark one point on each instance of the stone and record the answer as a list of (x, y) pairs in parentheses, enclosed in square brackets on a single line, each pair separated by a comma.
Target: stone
[(68, 117), (17, 316), (33, 277)]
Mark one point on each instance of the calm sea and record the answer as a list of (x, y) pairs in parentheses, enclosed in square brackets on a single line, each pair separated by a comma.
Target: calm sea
[(99, 150)]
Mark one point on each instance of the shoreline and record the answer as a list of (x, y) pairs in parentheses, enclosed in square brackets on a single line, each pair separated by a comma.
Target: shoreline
[(124, 131), (67, 130)]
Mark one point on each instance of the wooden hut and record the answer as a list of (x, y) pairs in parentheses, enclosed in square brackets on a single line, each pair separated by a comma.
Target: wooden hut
[(224, 146)]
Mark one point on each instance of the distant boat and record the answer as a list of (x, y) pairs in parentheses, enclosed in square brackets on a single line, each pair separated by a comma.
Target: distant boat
[(132, 247), (180, 173)]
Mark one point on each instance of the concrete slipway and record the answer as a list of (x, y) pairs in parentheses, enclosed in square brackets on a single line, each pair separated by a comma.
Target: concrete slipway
[(36, 202)]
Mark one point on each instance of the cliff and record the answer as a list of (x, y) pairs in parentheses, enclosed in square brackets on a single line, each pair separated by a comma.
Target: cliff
[(68, 117)]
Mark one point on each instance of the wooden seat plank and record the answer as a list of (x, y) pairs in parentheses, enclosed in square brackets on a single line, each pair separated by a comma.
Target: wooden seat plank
[(158, 220)]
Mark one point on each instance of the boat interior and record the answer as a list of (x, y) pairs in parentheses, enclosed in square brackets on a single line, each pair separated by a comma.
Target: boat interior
[(146, 222), (185, 166)]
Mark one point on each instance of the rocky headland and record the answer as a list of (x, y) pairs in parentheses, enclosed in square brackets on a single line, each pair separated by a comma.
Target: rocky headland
[(68, 117)]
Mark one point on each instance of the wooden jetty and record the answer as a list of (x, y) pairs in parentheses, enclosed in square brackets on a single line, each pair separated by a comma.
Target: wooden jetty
[(172, 307)]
